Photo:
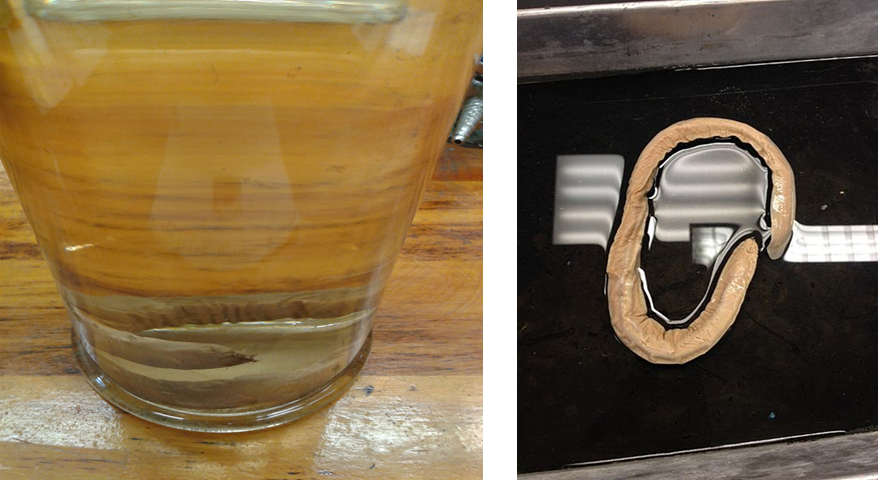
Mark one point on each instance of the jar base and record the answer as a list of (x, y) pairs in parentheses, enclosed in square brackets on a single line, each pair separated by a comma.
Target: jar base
[(219, 422)]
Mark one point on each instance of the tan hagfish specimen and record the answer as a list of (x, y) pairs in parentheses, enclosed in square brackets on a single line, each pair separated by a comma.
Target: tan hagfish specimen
[(629, 315)]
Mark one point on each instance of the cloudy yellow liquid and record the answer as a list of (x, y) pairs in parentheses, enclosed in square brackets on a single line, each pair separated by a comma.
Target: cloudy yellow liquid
[(221, 202)]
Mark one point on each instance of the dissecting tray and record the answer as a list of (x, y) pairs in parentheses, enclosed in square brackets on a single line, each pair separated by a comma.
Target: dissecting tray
[(801, 357)]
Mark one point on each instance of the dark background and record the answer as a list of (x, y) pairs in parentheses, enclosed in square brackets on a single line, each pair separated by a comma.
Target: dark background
[(566, 3), (802, 356)]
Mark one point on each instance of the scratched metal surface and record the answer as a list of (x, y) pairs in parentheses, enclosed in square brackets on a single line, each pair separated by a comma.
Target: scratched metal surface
[(416, 411), (801, 356)]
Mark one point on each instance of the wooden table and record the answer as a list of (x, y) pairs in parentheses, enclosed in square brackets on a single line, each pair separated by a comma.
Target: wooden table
[(415, 412)]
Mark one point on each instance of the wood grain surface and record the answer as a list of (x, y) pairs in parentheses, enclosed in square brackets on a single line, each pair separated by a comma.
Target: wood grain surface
[(415, 412)]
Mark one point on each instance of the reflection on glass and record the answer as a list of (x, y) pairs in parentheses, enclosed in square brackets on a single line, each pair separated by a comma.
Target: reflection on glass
[(586, 195), (706, 199), (708, 241)]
